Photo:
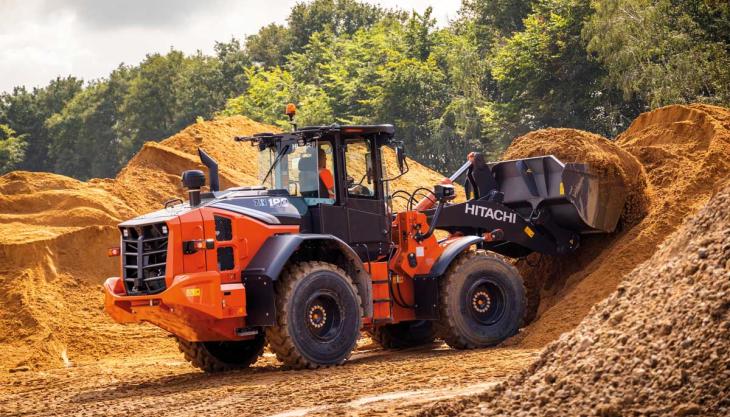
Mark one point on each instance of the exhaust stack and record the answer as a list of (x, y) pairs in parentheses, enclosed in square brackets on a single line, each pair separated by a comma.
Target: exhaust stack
[(212, 166)]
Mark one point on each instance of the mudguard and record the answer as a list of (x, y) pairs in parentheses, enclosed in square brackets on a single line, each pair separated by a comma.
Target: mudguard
[(451, 252), (268, 263), (426, 286)]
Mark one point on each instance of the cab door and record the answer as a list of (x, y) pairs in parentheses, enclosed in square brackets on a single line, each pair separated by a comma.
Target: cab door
[(364, 202)]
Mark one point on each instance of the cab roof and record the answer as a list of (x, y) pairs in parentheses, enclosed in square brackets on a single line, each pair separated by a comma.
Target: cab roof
[(384, 134), (363, 129)]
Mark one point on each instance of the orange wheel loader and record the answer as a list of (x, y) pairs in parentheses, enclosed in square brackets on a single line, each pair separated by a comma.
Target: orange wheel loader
[(316, 254)]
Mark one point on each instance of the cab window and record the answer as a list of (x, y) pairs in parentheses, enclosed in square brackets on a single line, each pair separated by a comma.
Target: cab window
[(314, 171), (359, 169), (303, 170)]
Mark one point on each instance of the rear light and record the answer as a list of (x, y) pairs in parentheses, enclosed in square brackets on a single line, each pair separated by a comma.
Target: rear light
[(192, 246), (112, 252)]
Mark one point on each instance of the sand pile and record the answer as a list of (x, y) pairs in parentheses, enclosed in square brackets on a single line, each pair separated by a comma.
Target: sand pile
[(55, 230), (605, 159), (693, 144), (54, 233), (657, 346)]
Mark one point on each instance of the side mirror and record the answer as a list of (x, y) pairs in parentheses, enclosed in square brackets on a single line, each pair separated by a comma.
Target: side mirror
[(400, 155)]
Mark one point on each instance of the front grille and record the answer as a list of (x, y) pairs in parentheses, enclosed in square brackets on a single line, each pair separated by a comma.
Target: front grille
[(144, 258)]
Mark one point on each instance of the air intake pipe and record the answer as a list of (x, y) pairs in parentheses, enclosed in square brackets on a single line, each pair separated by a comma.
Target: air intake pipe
[(192, 180), (212, 166)]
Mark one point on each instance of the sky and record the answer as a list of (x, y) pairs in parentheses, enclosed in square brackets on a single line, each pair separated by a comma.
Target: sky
[(43, 39)]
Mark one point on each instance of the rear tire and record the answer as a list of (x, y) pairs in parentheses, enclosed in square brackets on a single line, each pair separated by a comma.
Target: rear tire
[(222, 356), (404, 335), (318, 316), (482, 302)]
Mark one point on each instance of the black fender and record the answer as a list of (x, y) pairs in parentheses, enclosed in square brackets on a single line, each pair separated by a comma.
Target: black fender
[(451, 252), (268, 263), (426, 287)]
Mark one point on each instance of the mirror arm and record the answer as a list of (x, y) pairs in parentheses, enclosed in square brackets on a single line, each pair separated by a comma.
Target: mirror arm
[(408, 168)]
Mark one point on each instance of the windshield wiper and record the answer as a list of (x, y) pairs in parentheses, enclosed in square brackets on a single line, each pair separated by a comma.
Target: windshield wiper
[(276, 161)]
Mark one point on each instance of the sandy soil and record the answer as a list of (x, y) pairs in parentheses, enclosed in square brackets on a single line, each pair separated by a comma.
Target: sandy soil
[(62, 356), (373, 382), (55, 231), (655, 347)]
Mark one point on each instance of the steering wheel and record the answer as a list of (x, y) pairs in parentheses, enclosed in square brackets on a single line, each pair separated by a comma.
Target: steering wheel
[(360, 190)]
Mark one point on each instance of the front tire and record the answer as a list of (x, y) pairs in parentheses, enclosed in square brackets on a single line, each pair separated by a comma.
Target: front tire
[(482, 302), (319, 316), (222, 356)]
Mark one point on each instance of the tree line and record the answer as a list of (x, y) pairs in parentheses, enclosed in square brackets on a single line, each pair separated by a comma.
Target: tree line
[(500, 69)]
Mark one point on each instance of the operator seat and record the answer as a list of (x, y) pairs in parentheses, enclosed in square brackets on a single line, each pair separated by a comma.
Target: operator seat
[(480, 181), (310, 184)]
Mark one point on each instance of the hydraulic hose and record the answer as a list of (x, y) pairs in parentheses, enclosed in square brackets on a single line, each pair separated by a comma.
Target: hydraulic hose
[(421, 237)]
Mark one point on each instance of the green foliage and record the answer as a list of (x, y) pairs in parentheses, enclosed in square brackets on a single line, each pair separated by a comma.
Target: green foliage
[(268, 93), (85, 139), (199, 89), (148, 111), (419, 36), (663, 51), (410, 97), (233, 60), (543, 72), (502, 68), (270, 46), (12, 149), (342, 17), (25, 112), (495, 19)]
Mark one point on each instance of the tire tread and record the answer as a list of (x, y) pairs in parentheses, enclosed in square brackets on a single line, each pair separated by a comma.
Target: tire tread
[(446, 327), (280, 342)]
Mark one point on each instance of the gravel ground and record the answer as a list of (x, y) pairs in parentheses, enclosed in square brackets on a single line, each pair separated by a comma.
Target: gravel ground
[(657, 346)]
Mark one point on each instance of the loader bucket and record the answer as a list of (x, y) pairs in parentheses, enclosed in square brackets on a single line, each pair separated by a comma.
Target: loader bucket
[(577, 198)]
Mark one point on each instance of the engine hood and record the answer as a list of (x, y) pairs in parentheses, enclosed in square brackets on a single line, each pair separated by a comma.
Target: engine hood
[(273, 207), (268, 206), (158, 216)]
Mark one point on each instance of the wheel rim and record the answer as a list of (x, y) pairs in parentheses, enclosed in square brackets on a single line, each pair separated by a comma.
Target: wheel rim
[(323, 315), (485, 301)]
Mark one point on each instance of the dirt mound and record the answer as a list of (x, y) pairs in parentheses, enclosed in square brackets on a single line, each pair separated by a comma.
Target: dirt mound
[(605, 159), (694, 143), (684, 150), (54, 232), (657, 346)]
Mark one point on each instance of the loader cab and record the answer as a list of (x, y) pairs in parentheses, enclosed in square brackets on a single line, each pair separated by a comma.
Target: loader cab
[(333, 175)]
